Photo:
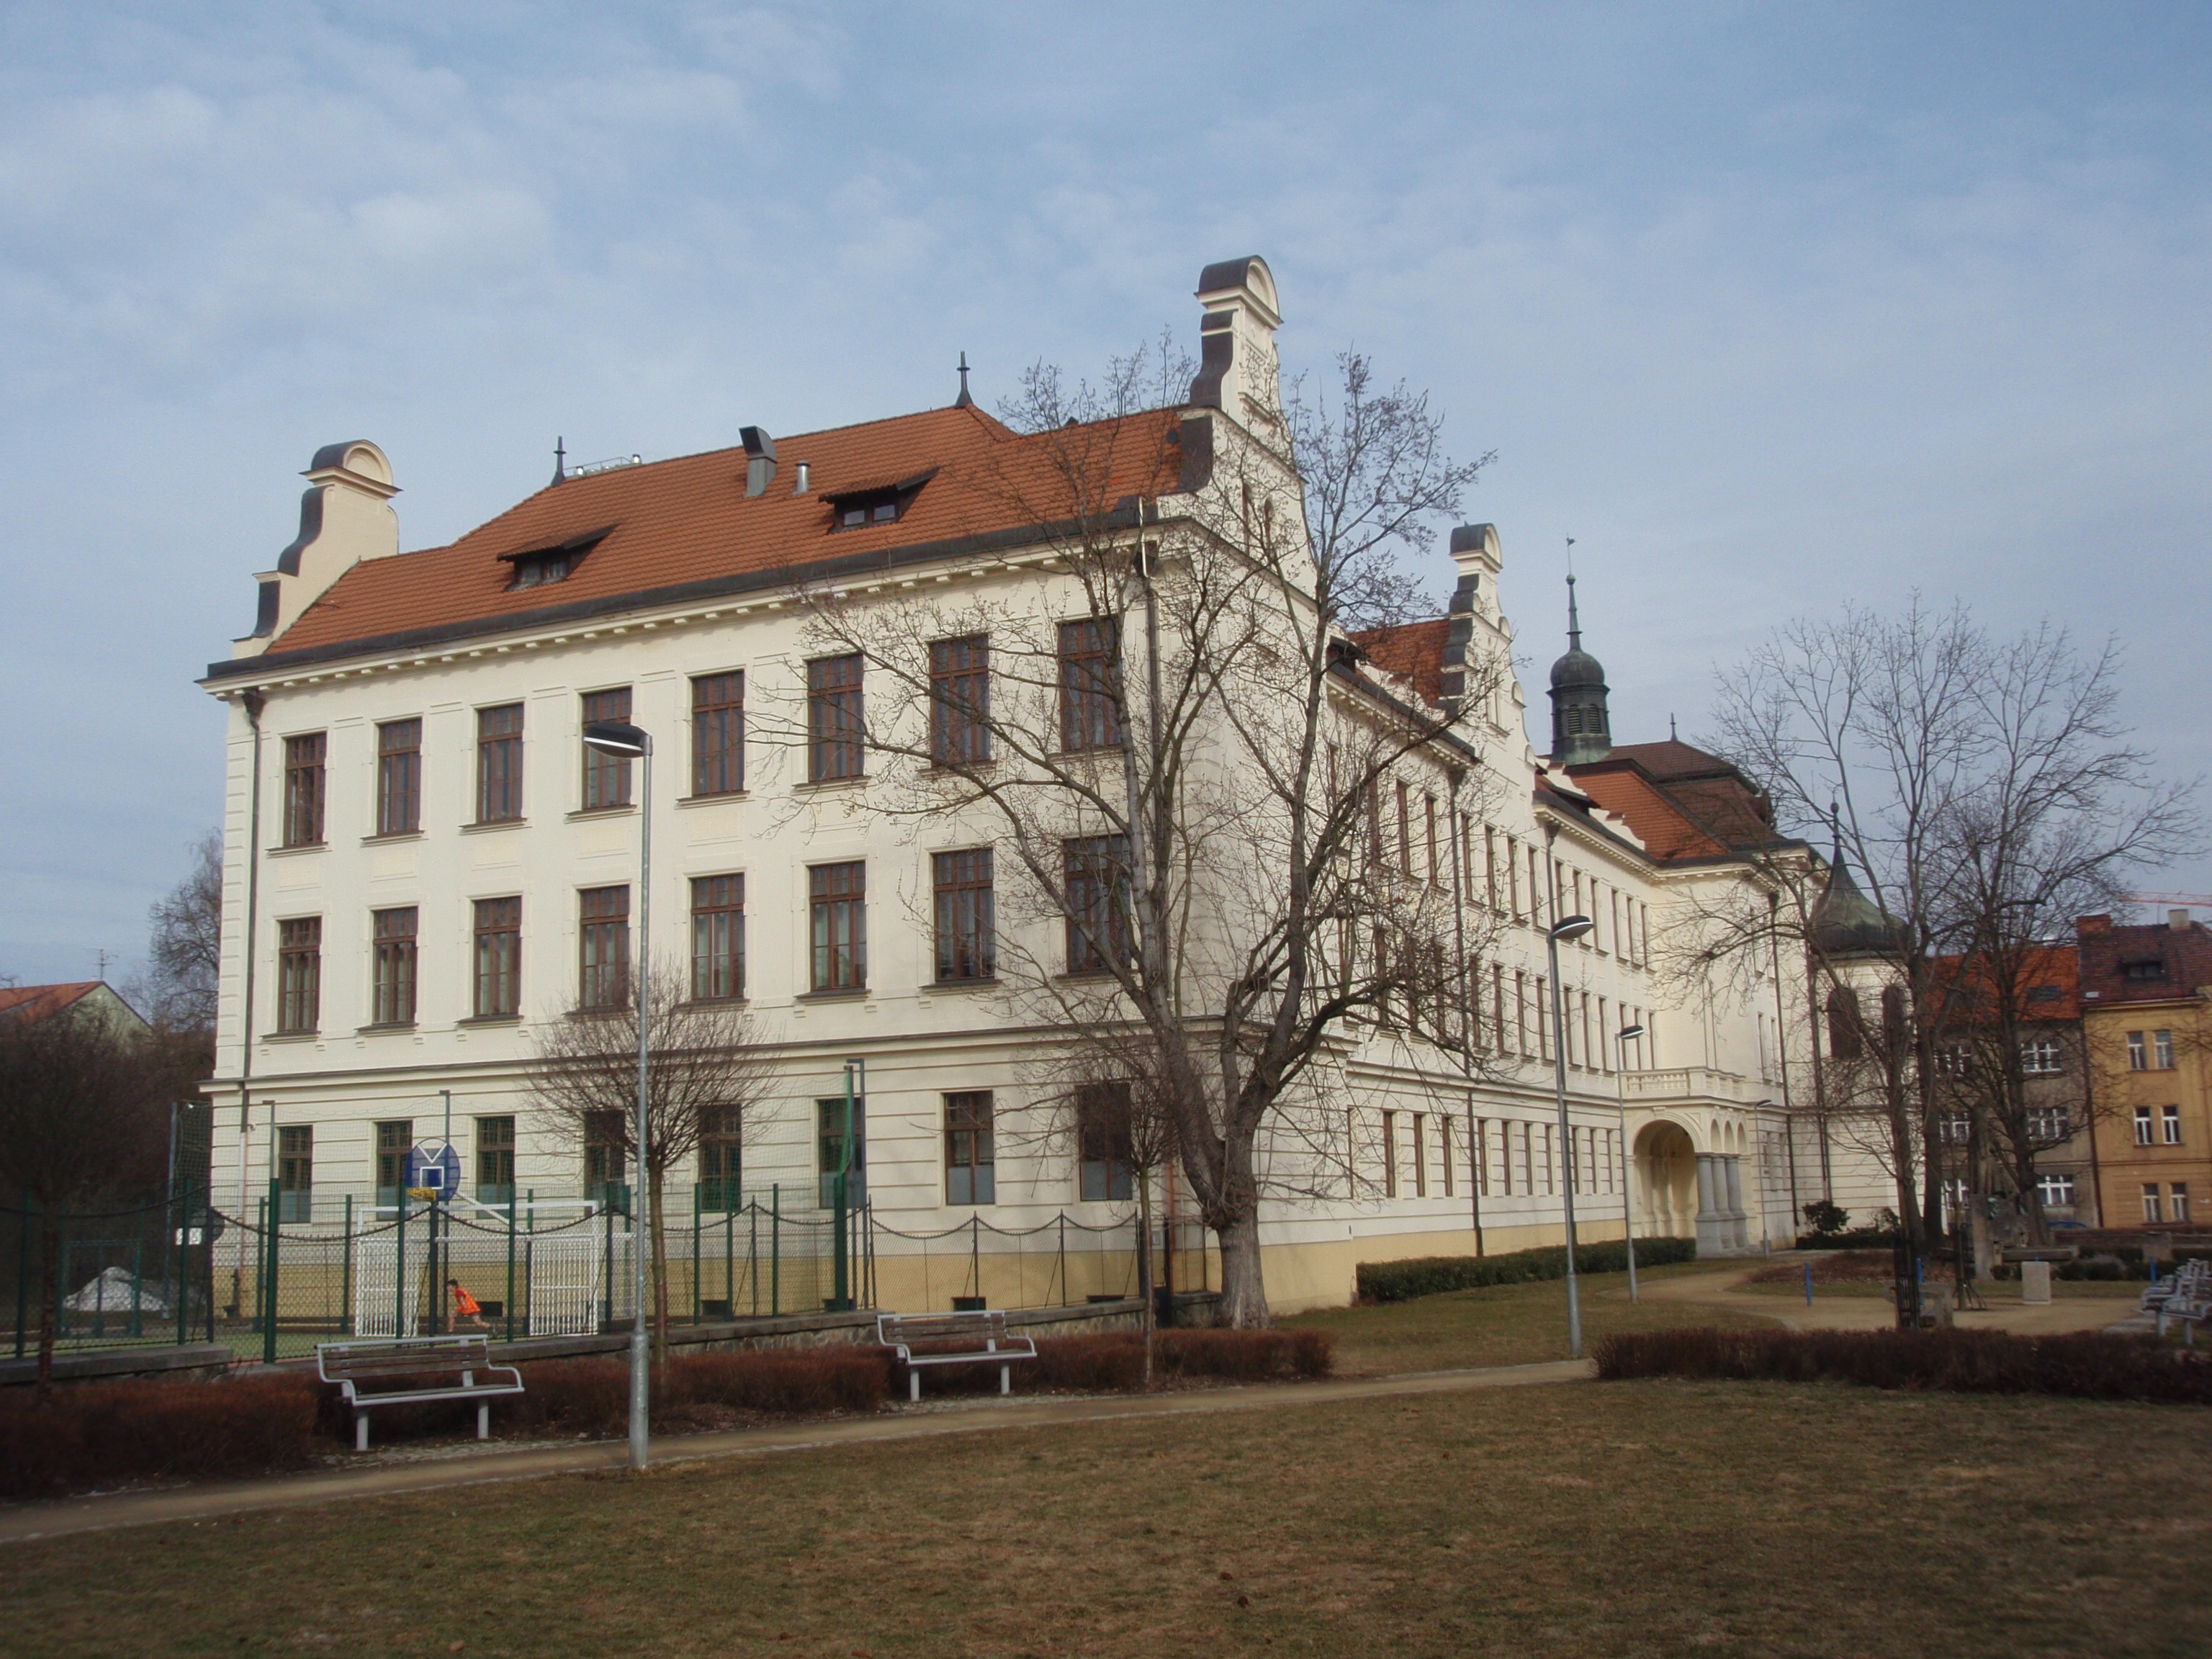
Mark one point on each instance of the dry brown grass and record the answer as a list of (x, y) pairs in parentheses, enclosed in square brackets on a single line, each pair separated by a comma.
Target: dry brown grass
[(1622, 1519)]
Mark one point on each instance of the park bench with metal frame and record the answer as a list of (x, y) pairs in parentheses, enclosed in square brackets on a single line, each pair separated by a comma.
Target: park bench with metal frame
[(2188, 1298), (422, 1368), (953, 1338)]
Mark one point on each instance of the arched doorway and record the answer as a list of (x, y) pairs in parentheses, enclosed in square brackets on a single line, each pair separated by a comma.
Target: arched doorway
[(1666, 1182)]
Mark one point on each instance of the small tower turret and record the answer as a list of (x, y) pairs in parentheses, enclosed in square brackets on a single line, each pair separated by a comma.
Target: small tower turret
[(1581, 731)]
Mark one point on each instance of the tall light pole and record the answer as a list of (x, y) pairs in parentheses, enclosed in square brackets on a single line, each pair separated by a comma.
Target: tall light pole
[(1627, 1201), (1567, 927), (625, 742)]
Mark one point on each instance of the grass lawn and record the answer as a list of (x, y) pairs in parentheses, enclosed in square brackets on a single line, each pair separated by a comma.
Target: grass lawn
[(1994, 1291), (1618, 1520), (1504, 1324)]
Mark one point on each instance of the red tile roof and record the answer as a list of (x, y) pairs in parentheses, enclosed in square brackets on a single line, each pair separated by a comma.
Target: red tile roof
[(2044, 967), (2153, 962), (689, 521), (36, 1001), (1666, 832), (1414, 651)]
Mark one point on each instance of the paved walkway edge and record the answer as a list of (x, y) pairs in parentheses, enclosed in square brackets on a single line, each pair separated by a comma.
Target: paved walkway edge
[(63, 1517)]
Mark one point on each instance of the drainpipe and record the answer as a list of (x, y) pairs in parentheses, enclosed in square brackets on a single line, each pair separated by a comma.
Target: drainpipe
[(1782, 1051), (1467, 1012), (253, 699)]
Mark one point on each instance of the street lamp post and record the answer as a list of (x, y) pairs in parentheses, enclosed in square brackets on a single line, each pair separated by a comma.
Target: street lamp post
[(625, 742), (1567, 927), (1627, 1200)]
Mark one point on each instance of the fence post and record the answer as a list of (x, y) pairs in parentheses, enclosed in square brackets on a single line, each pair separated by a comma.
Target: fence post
[(1066, 1295), (976, 1253), (269, 1296), (399, 1269), (345, 1273), (775, 1249), (510, 1259), (694, 1252), (729, 1255), (752, 1252), (23, 1277), (183, 1311)]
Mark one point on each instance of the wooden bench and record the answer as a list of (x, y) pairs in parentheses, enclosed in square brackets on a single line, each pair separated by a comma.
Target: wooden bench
[(953, 1338), (2188, 1298), (420, 1368)]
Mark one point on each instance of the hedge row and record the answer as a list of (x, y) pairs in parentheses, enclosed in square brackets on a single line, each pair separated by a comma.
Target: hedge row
[(1401, 1281), (2084, 1365), (85, 1436)]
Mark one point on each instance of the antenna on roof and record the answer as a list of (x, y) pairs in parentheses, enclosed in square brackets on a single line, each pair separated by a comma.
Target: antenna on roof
[(963, 401), (1671, 738), (560, 461)]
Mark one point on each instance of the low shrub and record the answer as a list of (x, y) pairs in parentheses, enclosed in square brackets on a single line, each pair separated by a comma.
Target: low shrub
[(1855, 1238), (89, 1435), (1401, 1281), (2082, 1365), (1110, 1361)]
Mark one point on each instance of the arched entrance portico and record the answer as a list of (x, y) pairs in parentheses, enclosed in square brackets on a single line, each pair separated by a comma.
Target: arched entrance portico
[(1683, 1193)]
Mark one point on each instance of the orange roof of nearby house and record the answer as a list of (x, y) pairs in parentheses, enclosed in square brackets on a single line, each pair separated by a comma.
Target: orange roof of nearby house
[(1413, 651), (2045, 967), (36, 1001), (671, 523)]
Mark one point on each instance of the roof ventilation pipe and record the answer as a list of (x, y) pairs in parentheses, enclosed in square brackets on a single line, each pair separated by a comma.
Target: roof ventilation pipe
[(760, 459), (798, 484)]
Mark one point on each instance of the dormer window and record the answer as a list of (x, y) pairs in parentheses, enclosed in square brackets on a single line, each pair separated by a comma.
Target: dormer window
[(882, 502), (541, 567), (2144, 968)]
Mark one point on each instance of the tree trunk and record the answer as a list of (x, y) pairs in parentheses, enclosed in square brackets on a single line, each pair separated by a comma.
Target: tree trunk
[(1243, 1291), (1148, 1318), (50, 1294), (653, 1180)]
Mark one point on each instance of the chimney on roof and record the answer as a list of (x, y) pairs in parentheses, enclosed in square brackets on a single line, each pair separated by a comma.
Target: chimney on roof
[(760, 459), (2096, 924), (2177, 920), (345, 517), (1238, 372)]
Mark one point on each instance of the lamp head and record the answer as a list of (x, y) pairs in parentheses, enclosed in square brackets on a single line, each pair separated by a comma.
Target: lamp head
[(617, 737), (1628, 1032), (1572, 927)]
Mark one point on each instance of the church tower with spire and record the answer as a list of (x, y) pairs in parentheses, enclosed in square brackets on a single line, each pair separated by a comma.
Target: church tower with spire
[(1581, 731)]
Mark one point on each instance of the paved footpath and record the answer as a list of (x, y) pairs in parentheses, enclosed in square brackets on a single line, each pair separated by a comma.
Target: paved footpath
[(75, 1515)]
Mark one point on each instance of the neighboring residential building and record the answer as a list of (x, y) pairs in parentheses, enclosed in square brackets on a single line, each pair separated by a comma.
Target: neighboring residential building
[(89, 998), (423, 863), (2146, 1020)]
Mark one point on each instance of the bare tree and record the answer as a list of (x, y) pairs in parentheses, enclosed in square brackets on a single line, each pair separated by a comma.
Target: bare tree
[(80, 1119), (1186, 776), (184, 946), (706, 1081)]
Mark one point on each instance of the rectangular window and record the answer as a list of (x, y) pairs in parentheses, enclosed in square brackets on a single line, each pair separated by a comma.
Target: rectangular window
[(2048, 1126), (1436, 870), (970, 1176), (495, 1160), (395, 1139), (1097, 875), (296, 1172), (2177, 1201), (1103, 1146), (1956, 1128), (499, 764), (840, 899), (1404, 831), (2056, 1191), (1090, 675), (498, 957), (606, 1138), (1421, 1155), (606, 777), (2169, 1126), (1389, 1155), (299, 974), (398, 777), (833, 728), (718, 734), (393, 932), (2144, 1135), (2150, 1202), (2138, 1053), (303, 789), (718, 939), (967, 944), (603, 947), (2040, 1056), (1444, 1149), (721, 1160), (960, 701), (2162, 1049), (830, 1118)]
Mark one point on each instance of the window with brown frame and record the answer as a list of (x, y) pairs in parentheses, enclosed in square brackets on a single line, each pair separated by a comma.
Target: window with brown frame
[(839, 897), (1435, 869), (498, 957), (960, 701), (1390, 1154), (967, 939), (495, 1160), (1405, 830), (395, 1139), (721, 1160), (1420, 1154), (1444, 1147), (398, 777), (834, 728), (1089, 682), (718, 734), (606, 1157), (1097, 878), (606, 777), (296, 1172), (718, 938), (393, 935), (603, 947), (970, 1160), (299, 974), (303, 789), (1103, 1158), (499, 764)]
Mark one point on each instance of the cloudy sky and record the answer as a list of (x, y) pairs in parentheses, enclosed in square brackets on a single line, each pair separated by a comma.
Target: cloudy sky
[(1770, 307)]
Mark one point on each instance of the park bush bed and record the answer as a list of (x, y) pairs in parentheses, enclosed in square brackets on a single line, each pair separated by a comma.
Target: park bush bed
[(2082, 1365), (1401, 1281), (85, 1436)]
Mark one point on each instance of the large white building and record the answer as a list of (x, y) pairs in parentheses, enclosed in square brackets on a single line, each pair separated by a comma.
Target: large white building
[(424, 864)]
